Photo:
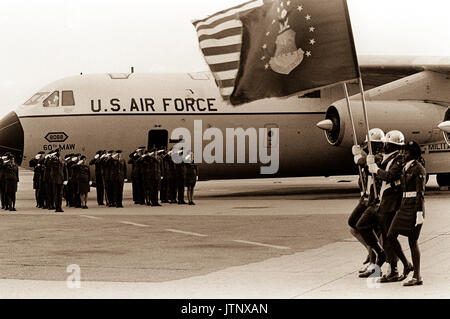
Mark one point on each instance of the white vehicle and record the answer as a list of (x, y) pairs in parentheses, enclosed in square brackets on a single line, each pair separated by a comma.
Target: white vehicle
[(85, 113)]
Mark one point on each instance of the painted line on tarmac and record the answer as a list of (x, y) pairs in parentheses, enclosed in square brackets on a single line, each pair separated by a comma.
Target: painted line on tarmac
[(186, 232), (260, 244), (133, 224), (88, 216)]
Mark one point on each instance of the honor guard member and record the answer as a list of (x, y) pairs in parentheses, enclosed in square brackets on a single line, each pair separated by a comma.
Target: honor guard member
[(155, 176), (368, 225), (57, 175), (136, 180), (67, 192), (4, 197), (70, 160), (48, 183), (191, 177), (106, 172), (171, 177), (118, 175), (11, 180), (168, 178), (42, 183), (163, 193), (98, 177), (76, 188), (180, 175), (389, 172), (145, 171), (360, 154), (409, 218), (83, 178), (34, 163)]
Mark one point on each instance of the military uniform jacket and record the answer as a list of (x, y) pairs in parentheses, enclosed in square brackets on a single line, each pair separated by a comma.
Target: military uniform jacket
[(413, 181), (106, 168), (118, 169), (82, 173), (134, 157), (11, 173), (389, 173), (34, 164), (369, 194), (2, 172), (156, 167), (98, 167), (168, 166), (57, 171)]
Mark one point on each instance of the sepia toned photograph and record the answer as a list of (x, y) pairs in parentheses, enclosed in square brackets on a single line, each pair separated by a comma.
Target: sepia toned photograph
[(226, 149)]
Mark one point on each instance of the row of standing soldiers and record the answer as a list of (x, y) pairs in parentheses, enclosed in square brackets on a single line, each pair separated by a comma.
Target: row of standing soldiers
[(55, 179), (153, 173)]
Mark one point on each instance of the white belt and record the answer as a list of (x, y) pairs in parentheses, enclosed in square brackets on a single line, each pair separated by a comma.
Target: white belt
[(409, 194)]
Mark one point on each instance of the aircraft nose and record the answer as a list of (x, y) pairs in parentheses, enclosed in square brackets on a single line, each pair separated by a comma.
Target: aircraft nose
[(11, 136)]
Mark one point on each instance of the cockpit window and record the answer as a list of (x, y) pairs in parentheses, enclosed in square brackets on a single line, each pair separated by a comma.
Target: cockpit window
[(37, 98), (67, 98), (52, 100)]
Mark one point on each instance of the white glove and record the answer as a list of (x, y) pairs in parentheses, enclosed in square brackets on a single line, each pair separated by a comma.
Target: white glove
[(356, 150), (373, 168), (356, 158), (90, 183), (419, 218), (65, 182), (370, 159)]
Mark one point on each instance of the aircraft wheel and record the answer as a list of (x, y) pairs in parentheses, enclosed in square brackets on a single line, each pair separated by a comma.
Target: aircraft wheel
[(443, 179)]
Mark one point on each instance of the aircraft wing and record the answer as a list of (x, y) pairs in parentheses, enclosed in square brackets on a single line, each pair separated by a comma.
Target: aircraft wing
[(379, 70)]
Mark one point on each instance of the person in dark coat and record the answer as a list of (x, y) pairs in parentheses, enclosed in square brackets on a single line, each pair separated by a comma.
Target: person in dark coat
[(368, 224), (409, 218), (34, 163), (48, 183), (145, 171), (136, 180), (105, 162), (4, 197), (191, 177), (98, 177), (367, 197), (389, 172), (170, 174), (163, 192), (118, 175), (67, 188), (11, 180), (83, 178), (57, 175), (155, 176), (180, 175)]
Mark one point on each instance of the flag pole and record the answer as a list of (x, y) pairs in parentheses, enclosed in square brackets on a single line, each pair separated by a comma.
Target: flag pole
[(369, 141), (355, 138)]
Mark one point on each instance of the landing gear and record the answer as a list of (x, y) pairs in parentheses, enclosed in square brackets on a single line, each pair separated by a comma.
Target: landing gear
[(443, 179)]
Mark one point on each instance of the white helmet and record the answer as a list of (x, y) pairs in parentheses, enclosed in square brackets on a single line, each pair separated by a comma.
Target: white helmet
[(376, 135), (395, 137)]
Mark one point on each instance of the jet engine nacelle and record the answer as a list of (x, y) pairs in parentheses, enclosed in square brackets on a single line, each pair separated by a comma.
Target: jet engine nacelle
[(417, 120), (445, 126)]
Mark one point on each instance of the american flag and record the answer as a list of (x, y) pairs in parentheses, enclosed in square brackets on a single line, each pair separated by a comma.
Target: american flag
[(220, 40)]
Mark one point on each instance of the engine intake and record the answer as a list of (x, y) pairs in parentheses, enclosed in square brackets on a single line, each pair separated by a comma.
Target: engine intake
[(417, 120)]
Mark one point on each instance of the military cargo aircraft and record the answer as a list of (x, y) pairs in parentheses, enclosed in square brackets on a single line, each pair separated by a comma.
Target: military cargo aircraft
[(85, 113)]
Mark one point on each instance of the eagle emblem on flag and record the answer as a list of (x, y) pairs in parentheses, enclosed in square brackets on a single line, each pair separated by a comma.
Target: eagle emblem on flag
[(286, 56)]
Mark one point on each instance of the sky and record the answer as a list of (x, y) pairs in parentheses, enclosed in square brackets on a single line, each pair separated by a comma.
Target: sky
[(45, 40)]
